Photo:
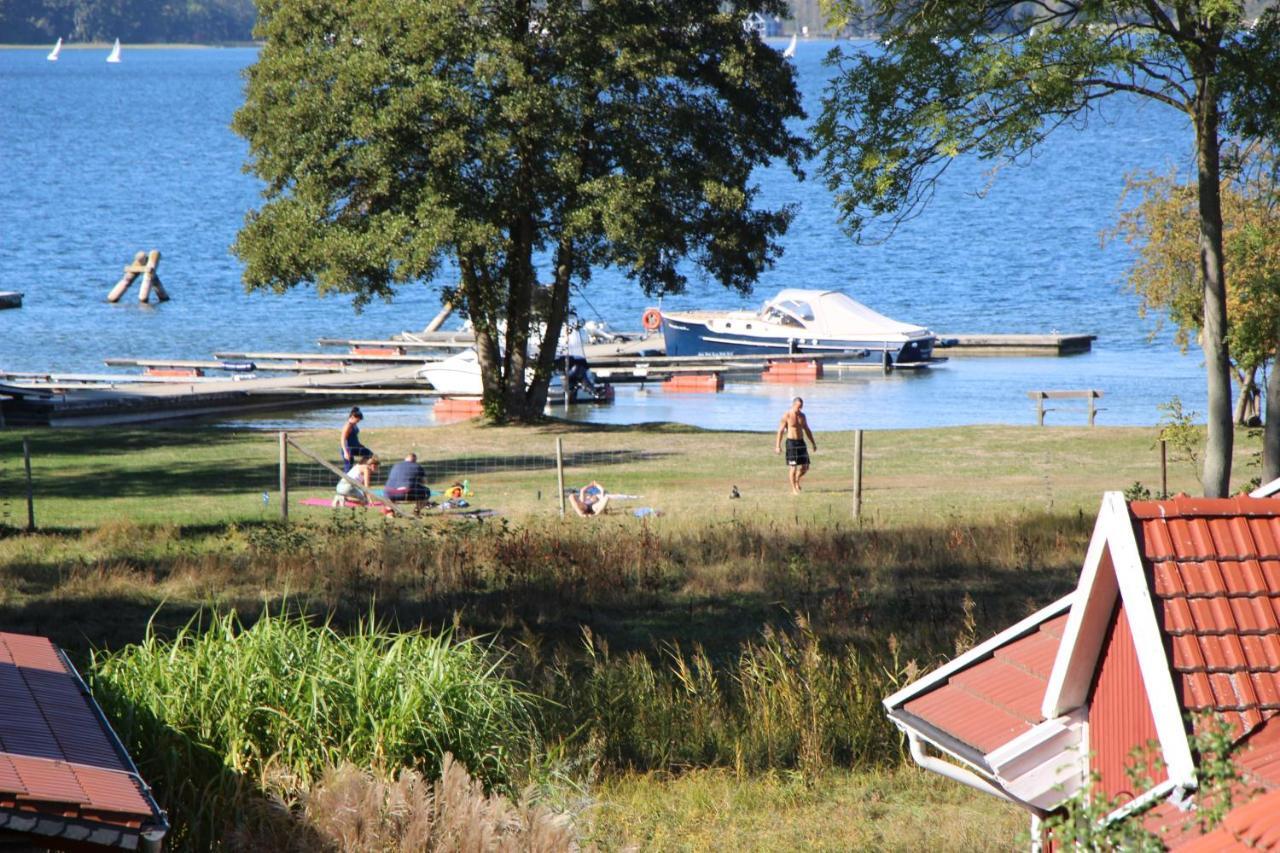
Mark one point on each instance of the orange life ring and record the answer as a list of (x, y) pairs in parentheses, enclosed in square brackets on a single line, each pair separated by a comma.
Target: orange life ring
[(652, 319)]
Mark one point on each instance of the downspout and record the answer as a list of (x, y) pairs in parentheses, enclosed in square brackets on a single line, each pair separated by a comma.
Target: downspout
[(954, 772)]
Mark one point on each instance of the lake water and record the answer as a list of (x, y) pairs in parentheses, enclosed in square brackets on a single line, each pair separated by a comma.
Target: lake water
[(101, 161)]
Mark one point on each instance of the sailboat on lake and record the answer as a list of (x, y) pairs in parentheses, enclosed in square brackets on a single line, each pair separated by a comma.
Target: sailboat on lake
[(791, 48), (114, 56), (57, 49)]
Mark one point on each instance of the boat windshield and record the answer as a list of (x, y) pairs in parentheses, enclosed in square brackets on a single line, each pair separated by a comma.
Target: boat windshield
[(789, 312)]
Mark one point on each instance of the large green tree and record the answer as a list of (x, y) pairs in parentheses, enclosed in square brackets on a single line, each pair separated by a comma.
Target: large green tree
[(992, 78), (403, 139)]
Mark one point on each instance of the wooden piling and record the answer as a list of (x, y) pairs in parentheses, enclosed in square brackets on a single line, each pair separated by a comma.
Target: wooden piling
[(1164, 470), (31, 502), (560, 471), (152, 277), (858, 475), (439, 319), (284, 476), (131, 271)]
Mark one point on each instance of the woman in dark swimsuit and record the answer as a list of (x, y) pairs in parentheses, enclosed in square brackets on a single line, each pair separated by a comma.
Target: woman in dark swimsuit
[(351, 446)]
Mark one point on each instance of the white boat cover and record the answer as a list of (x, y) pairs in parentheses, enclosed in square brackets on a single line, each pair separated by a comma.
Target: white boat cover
[(833, 314)]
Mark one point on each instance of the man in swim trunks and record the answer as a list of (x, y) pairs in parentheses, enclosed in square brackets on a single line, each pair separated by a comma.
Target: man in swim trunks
[(794, 427)]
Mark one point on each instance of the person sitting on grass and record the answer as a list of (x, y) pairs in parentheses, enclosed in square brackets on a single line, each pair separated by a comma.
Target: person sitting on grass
[(590, 500), (362, 472), (407, 482)]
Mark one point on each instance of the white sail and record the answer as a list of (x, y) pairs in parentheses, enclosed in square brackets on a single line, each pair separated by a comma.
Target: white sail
[(53, 54), (791, 48), (114, 56)]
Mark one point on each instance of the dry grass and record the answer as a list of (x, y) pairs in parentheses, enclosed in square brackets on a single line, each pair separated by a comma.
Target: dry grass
[(354, 811), (905, 809)]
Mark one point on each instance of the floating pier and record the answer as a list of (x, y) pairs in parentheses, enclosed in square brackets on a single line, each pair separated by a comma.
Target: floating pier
[(1017, 345)]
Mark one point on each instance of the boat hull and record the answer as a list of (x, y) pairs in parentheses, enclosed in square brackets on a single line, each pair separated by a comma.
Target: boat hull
[(685, 337)]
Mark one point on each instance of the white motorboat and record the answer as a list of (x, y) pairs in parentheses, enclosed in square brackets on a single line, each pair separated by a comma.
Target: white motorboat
[(114, 55), (53, 54), (800, 321), (459, 374)]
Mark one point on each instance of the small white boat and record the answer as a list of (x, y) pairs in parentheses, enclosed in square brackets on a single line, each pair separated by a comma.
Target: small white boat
[(114, 55), (459, 374), (53, 54), (800, 321), (791, 48)]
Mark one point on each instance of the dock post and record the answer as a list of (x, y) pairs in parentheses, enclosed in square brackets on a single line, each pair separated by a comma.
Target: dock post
[(560, 470), (284, 476), (151, 278), (857, 475), (1092, 411), (1040, 409), (130, 273), (1164, 471), (439, 319), (31, 503)]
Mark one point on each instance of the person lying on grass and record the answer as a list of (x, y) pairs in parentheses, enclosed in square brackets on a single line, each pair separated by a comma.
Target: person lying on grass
[(362, 472), (590, 500)]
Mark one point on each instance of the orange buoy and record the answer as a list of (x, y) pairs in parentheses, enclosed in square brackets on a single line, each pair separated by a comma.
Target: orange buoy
[(651, 320)]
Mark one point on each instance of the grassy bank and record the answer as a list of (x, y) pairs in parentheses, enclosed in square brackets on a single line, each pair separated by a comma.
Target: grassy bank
[(704, 678)]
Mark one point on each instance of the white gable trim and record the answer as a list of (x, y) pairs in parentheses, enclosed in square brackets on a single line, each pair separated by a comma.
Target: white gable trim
[(1266, 490), (1072, 671), (1114, 566), (978, 653)]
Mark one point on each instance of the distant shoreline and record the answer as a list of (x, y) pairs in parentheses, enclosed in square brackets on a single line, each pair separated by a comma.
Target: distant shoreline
[(106, 45)]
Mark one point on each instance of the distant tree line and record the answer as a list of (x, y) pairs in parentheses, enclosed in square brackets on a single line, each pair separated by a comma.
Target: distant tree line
[(195, 21)]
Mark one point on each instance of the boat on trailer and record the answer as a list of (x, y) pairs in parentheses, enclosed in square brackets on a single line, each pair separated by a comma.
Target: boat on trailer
[(801, 321)]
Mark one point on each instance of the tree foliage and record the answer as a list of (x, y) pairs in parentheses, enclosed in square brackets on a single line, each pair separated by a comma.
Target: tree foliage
[(1162, 226), (992, 78), (397, 138)]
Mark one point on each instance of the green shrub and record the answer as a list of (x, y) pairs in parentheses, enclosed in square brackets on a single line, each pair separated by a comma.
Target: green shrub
[(218, 716)]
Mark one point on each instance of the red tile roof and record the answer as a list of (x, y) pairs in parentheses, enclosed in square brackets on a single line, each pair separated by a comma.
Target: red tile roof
[(991, 702), (1251, 827), (1215, 572), (56, 753)]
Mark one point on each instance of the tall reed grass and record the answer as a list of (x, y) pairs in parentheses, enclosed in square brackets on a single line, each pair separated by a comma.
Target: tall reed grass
[(784, 702), (224, 712)]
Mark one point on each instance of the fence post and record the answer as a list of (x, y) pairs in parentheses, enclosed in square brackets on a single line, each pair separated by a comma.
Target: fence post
[(560, 471), (857, 475), (284, 476), (1164, 471), (31, 503)]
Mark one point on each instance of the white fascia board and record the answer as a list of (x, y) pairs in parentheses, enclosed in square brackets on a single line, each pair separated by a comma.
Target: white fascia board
[(1086, 627), (977, 653), (1266, 490), (1148, 640)]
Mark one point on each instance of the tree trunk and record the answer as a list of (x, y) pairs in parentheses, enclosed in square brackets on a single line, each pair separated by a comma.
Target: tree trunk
[(1247, 402), (1271, 428), (1217, 455)]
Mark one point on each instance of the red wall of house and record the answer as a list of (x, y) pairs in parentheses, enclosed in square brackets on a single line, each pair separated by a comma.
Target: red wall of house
[(1120, 714)]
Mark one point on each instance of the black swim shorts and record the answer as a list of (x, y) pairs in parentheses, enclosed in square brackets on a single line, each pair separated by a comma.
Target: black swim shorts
[(797, 452)]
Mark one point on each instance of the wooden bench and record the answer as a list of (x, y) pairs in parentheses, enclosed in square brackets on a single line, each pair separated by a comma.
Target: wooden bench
[(1087, 394)]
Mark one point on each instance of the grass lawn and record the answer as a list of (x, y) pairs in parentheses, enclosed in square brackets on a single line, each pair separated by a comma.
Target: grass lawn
[(204, 476), (964, 531)]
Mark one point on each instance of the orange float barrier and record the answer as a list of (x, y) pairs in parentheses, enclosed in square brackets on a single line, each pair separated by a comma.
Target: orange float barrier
[(377, 350), (457, 408), (792, 371), (186, 372), (694, 383)]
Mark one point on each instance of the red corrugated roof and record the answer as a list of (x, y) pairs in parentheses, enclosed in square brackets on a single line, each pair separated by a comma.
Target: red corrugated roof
[(988, 704), (1215, 572), (55, 753)]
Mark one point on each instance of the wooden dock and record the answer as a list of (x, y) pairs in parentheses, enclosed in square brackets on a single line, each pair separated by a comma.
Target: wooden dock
[(1017, 345), (51, 403)]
